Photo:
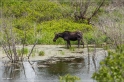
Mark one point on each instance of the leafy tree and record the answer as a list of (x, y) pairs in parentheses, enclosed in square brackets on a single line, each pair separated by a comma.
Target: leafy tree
[(111, 69)]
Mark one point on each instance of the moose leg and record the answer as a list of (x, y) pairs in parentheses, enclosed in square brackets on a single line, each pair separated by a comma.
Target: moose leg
[(68, 44), (82, 43), (78, 43)]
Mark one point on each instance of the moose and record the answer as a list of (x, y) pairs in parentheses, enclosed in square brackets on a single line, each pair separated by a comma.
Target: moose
[(70, 36)]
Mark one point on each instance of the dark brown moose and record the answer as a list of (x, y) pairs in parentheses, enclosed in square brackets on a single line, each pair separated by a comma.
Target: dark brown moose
[(70, 36)]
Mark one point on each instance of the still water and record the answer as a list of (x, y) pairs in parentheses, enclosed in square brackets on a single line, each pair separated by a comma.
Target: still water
[(42, 71)]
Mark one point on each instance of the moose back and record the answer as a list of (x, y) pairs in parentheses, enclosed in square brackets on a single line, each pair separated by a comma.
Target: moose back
[(70, 36)]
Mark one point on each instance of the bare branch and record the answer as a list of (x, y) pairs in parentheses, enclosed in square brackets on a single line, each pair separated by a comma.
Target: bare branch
[(32, 49), (85, 9), (8, 41), (34, 42), (95, 12), (5, 50)]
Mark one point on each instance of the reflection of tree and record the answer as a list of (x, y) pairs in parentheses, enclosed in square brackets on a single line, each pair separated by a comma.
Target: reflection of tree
[(11, 70), (16, 71)]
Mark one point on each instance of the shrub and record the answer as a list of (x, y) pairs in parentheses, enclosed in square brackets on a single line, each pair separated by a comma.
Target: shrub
[(68, 78), (54, 26), (41, 53), (47, 16), (111, 69)]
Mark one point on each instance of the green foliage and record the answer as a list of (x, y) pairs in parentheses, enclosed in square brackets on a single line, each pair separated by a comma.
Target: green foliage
[(95, 36), (34, 10), (112, 68), (89, 37), (47, 29), (55, 26), (68, 78), (27, 37), (22, 51), (120, 48), (41, 53), (48, 16)]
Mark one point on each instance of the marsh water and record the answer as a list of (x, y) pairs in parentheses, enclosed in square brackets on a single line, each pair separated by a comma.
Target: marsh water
[(50, 70)]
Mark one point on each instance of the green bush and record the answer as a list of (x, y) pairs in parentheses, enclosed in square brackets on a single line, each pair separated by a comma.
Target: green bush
[(69, 78), (120, 48), (95, 36), (111, 69), (55, 26), (41, 53)]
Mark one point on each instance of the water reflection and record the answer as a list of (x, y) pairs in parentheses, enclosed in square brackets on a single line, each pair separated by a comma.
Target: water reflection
[(45, 71), (9, 71), (64, 67), (13, 72)]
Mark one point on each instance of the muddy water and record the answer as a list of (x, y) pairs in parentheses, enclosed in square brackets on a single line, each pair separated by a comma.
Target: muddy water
[(49, 70)]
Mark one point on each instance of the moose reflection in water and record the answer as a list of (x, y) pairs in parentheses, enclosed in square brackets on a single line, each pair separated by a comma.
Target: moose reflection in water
[(70, 36)]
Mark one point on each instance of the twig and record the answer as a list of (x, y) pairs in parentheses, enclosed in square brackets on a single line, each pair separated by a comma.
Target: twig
[(5, 50), (8, 42), (32, 49), (95, 12)]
